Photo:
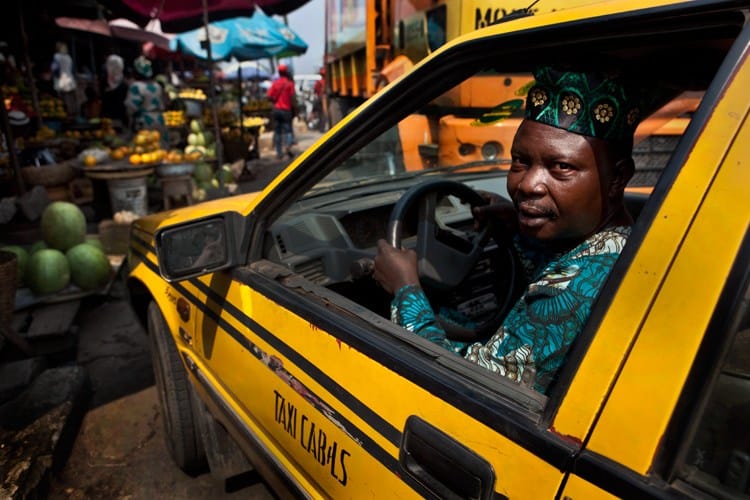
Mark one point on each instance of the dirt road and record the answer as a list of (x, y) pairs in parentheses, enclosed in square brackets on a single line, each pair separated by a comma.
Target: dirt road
[(120, 450)]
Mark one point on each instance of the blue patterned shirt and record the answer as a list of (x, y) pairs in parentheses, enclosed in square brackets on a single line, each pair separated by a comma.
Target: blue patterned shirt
[(145, 102), (534, 338)]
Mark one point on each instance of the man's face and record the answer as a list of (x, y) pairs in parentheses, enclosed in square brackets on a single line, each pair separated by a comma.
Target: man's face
[(557, 185)]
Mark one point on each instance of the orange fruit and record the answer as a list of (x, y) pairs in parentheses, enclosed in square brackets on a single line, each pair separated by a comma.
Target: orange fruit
[(135, 159), (89, 160)]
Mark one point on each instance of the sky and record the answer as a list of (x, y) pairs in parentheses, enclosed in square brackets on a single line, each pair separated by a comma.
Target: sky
[(309, 23)]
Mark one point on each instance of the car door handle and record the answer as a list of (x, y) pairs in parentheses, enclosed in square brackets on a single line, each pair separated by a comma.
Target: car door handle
[(441, 466)]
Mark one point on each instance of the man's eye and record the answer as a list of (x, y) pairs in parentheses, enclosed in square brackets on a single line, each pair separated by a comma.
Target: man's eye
[(564, 166), (516, 163)]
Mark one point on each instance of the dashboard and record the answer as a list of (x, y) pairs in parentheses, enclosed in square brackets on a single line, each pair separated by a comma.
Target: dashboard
[(322, 239)]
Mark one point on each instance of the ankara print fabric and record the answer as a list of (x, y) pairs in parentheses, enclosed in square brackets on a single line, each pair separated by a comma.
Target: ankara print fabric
[(145, 102), (534, 338)]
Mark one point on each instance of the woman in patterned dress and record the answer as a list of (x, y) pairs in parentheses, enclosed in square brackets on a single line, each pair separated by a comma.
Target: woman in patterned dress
[(145, 99)]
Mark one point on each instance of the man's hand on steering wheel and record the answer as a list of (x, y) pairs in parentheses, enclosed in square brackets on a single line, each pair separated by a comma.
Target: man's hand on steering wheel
[(442, 259), (395, 267)]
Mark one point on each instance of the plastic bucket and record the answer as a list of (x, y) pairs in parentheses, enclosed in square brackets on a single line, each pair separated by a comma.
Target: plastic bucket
[(129, 194)]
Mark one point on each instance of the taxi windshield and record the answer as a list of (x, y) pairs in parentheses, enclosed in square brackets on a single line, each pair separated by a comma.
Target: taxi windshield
[(470, 128)]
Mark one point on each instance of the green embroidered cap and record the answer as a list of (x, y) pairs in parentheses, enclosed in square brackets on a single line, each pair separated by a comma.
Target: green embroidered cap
[(597, 104)]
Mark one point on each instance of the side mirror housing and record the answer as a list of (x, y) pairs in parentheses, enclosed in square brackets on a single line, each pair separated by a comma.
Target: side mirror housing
[(201, 246)]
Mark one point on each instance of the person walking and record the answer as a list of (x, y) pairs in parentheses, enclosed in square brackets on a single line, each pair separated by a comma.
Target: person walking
[(320, 104), (282, 95)]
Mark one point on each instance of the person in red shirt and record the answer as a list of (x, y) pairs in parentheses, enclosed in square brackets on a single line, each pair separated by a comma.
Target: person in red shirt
[(281, 94), (320, 104)]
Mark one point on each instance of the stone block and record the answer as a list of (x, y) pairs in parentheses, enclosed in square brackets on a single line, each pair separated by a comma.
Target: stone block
[(33, 202), (17, 375), (38, 429), (7, 209)]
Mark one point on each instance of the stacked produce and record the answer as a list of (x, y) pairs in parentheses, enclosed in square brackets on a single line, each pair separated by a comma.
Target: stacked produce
[(105, 130), (189, 93), (174, 118), (65, 256), (256, 105), (254, 121), (201, 143), (147, 148), (52, 107), (44, 133), (94, 155), (205, 179)]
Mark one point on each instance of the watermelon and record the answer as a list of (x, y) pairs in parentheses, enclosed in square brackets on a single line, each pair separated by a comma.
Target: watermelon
[(63, 225), (95, 241), (22, 257), (203, 172), (89, 267), (47, 271), (39, 245), (226, 173)]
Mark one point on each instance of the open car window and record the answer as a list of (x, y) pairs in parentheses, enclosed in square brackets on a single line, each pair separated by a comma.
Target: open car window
[(455, 120)]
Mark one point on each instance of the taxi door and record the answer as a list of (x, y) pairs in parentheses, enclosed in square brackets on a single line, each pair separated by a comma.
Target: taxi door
[(692, 267), (349, 412)]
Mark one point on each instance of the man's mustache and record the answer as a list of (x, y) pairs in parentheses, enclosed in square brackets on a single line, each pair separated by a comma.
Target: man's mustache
[(534, 208)]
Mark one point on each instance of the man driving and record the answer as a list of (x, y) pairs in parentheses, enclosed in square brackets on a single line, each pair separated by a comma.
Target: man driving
[(570, 163)]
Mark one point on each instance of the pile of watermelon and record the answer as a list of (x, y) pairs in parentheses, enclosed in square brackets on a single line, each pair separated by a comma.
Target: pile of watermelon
[(64, 256)]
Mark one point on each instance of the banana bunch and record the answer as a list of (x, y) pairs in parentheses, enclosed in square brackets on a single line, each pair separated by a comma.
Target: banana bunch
[(196, 94), (253, 121)]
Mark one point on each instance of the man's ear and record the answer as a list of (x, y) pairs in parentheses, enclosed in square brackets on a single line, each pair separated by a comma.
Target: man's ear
[(622, 173)]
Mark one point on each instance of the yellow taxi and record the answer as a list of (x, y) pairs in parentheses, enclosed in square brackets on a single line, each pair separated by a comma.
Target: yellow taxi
[(273, 346)]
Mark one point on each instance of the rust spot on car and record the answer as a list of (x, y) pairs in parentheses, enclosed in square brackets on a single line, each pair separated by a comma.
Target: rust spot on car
[(314, 327), (183, 309), (570, 439)]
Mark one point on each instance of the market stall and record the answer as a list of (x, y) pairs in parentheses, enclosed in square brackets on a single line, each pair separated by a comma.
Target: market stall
[(245, 39)]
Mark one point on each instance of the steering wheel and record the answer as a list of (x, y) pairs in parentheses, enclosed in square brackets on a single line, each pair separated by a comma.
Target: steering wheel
[(446, 257)]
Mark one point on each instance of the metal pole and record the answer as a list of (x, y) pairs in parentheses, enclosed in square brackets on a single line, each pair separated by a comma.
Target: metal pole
[(27, 63), (10, 143), (212, 95), (239, 97)]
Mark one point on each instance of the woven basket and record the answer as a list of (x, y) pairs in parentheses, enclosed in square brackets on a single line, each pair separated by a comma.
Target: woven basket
[(9, 279), (48, 175)]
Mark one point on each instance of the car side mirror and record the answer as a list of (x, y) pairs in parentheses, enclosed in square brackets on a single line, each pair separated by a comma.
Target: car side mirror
[(200, 246)]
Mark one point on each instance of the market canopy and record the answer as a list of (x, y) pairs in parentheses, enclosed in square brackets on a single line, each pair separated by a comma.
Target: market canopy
[(244, 38), (151, 33), (181, 15), (118, 28)]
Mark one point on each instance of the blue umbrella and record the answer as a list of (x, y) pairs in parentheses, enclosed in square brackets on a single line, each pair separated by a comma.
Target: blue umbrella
[(245, 38)]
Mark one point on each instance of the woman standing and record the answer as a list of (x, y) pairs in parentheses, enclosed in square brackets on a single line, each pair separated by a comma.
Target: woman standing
[(145, 99), (63, 80)]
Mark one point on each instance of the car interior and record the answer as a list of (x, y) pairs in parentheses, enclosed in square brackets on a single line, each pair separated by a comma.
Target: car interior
[(327, 232)]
